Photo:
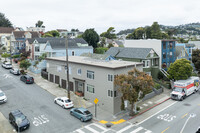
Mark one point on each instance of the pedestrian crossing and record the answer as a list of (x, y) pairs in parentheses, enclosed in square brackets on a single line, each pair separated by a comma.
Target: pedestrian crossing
[(96, 128)]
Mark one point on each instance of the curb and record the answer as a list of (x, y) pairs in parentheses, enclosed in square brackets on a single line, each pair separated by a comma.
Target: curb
[(149, 108)]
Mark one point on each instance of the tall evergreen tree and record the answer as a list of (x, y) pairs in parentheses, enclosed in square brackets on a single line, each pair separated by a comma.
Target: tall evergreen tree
[(155, 31), (4, 22), (91, 37)]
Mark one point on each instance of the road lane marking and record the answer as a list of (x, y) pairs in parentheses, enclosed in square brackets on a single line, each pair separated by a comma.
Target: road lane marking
[(124, 129), (165, 130), (103, 122), (145, 105), (118, 122), (136, 130), (191, 115), (103, 128), (91, 129), (148, 131), (156, 113), (79, 130), (184, 115)]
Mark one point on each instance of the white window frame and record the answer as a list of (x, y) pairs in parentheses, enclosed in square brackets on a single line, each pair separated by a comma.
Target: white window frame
[(145, 64), (59, 69), (90, 74), (90, 87), (79, 71), (110, 77)]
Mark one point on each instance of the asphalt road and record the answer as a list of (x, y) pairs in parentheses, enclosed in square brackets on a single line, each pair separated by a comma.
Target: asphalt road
[(37, 104), (180, 117)]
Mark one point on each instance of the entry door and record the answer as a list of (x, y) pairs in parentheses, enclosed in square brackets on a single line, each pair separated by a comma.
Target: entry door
[(57, 79), (64, 83), (51, 77)]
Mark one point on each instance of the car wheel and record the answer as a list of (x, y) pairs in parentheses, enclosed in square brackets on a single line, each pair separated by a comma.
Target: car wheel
[(181, 99), (55, 102), (71, 113), (63, 107), (81, 119)]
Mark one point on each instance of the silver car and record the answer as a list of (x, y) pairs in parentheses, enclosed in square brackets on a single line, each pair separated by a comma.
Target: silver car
[(7, 65), (15, 71), (3, 97)]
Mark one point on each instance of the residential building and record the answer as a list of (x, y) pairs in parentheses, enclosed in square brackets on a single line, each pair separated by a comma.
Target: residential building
[(147, 56), (76, 47), (181, 52), (196, 43), (188, 47), (5, 33), (18, 39), (37, 29), (92, 78), (70, 34), (164, 48)]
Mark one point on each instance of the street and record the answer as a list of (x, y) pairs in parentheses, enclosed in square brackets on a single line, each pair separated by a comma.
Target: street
[(37, 104)]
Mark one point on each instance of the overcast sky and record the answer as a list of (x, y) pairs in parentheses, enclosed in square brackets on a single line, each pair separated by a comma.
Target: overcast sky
[(100, 14)]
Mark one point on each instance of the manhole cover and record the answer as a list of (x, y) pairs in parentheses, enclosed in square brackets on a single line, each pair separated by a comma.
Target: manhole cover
[(187, 104)]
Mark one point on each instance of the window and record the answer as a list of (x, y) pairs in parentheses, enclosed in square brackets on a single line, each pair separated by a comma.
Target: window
[(73, 53), (79, 71), (59, 69), (37, 49), (164, 55), (90, 74), (164, 45), (90, 88), (110, 77), (190, 50), (170, 45), (143, 63), (36, 57), (147, 63), (112, 93)]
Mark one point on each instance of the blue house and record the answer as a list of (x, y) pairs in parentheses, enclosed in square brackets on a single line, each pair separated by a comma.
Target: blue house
[(189, 47), (76, 47), (181, 53)]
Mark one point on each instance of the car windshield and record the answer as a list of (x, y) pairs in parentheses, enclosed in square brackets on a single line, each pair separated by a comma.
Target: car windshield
[(20, 117), (177, 89), (1, 94), (87, 112), (67, 101)]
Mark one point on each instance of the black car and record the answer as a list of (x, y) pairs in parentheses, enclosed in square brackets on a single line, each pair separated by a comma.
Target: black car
[(27, 79), (19, 120)]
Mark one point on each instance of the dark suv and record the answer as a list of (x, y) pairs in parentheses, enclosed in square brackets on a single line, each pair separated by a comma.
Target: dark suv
[(19, 120), (27, 79)]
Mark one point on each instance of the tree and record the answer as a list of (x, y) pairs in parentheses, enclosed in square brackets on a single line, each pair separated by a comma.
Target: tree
[(180, 69), (5, 55), (138, 33), (133, 86), (24, 64), (109, 33), (39, 23), (155, 31), (4, 22), (196, 59), (100, 50), (91, 37), (53, 33)]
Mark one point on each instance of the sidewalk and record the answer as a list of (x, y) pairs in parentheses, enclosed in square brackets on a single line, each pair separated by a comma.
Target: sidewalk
[(5, 126)]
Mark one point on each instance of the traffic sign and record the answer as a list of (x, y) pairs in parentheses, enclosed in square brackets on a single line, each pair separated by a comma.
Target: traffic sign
[(96, 101)]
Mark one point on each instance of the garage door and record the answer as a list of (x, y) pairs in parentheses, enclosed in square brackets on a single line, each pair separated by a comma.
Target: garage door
[(57, 79), (51, 77), (64, 83)]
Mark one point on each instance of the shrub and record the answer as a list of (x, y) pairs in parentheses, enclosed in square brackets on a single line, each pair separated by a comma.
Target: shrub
[(157, 86), (100, 50), (23, 72)]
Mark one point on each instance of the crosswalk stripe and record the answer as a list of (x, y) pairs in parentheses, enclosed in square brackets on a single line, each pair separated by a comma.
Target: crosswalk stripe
[(124, 129), (79, 130), (148, 131), (136, 130), (104, 129), (91, 129)]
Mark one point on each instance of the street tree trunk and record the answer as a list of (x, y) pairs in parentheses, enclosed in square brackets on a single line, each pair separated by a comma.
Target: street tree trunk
[(131, 111)]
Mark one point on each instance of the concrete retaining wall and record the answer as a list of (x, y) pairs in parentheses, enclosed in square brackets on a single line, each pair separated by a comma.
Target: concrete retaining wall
[(152, 94)]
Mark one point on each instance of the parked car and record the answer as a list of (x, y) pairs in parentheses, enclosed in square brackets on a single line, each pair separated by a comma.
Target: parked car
[(3, 97), (81, 113), (27, 79), (19, 120), (7, 65), (64, 102), (198, 130), (15, 71)]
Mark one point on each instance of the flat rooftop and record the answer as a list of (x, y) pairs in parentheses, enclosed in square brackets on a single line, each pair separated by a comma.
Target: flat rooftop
[(95, 62)]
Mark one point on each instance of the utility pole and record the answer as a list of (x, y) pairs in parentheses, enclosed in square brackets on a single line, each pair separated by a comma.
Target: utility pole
[(10, 51), (67, 66)]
